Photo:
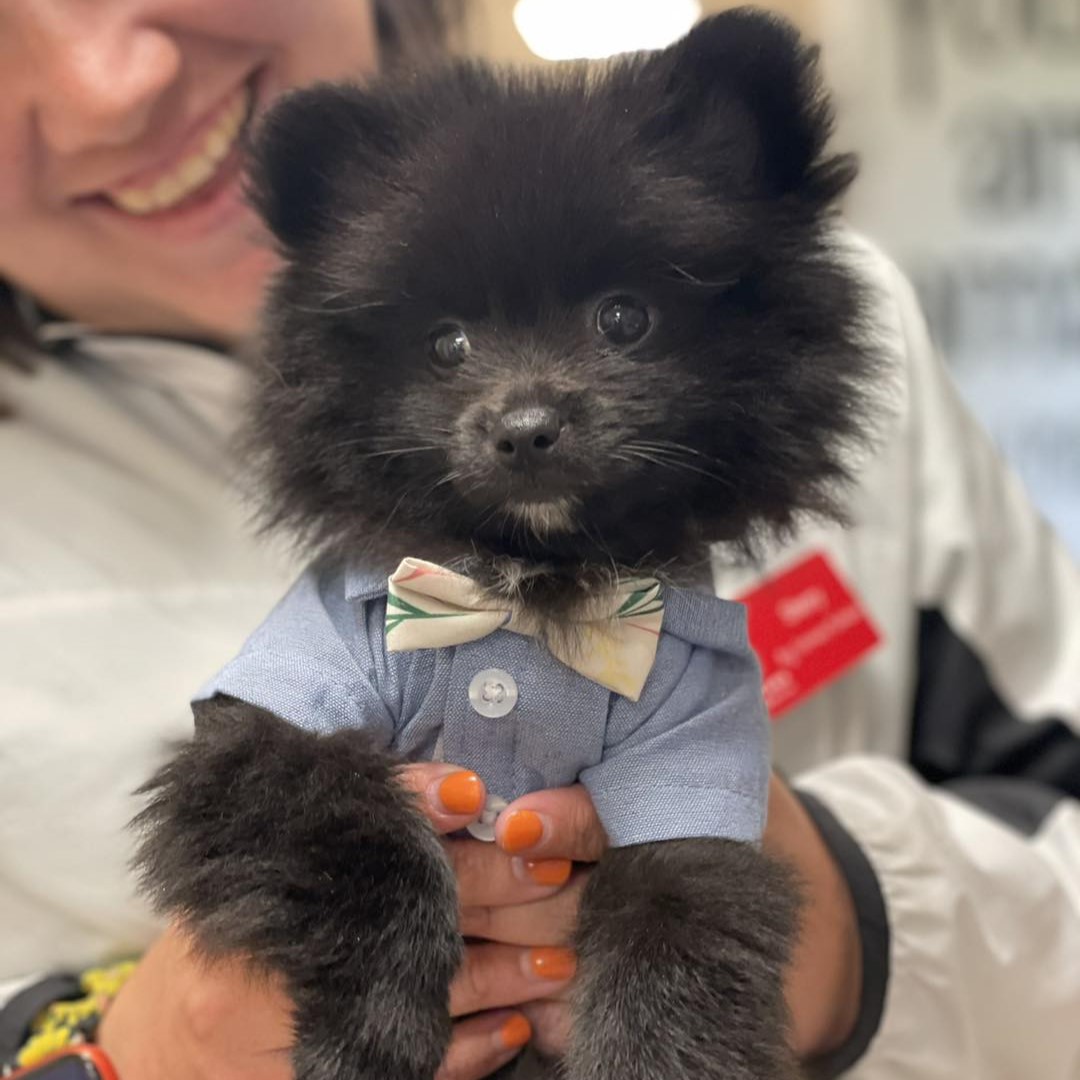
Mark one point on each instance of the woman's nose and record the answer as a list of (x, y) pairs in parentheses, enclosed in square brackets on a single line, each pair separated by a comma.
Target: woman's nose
[(101, 75)]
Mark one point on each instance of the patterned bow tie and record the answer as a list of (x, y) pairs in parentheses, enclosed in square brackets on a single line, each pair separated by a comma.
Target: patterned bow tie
[(430, 607)]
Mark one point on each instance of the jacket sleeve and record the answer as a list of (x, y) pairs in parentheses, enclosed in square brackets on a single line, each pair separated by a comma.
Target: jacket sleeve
[(970, 926), (969, 907)]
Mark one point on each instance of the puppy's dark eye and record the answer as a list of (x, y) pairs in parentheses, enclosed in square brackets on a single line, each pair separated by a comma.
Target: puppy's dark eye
[(450, 347), (623, 320)]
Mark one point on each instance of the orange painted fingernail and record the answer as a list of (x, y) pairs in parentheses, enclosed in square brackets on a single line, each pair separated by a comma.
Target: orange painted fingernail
[(523, 830), (462, 793), (517, 1031), (554, 964), (549, 871)]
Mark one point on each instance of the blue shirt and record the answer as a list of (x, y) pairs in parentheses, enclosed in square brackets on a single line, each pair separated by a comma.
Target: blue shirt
[(689, 759)]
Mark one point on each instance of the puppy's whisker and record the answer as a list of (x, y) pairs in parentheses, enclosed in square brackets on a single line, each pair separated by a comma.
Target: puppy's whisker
[(432, 488), (685, 275), (487, 518), (406, 492), (328, 310), (603, 548), (449, 478), (670, 447), (674, 464), (263, 361), (402, 452)]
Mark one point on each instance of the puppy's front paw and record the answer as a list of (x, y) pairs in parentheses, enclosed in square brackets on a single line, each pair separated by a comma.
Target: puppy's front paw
[(304, 853), (682, 948)]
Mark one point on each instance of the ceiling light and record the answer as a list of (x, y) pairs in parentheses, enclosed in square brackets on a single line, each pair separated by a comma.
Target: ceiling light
[(593, 29)]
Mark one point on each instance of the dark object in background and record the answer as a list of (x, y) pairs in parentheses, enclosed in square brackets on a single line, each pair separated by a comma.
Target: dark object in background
[(596, 259)]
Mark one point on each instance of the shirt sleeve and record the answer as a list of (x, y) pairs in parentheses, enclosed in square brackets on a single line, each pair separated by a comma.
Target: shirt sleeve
[(691, 758), (317, 661)]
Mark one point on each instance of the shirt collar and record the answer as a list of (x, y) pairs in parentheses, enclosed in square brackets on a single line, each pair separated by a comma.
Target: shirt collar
[(363, 583)]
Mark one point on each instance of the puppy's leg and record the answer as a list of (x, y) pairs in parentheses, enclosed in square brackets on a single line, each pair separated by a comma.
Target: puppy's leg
[(302, 852), (682, 949)]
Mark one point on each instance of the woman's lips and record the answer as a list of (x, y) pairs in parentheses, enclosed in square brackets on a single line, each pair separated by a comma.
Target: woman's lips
[(196, 211), (194, 170)]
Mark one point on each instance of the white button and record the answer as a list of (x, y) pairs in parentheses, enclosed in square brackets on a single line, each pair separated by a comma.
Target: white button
[(484, 829), (493, 693)]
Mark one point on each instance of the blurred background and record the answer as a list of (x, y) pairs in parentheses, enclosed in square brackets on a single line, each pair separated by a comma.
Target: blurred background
[(966, 114)]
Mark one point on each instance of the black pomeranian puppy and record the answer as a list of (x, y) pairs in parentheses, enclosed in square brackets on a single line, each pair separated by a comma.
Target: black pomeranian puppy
[(559, 331)]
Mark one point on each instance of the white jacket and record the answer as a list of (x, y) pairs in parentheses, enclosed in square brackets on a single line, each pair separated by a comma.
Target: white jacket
[(127, 577), (978, 604)]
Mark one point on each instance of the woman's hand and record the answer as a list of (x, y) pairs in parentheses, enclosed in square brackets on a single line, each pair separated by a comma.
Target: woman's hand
[(511, 988), (183, 1017), (824, 981)]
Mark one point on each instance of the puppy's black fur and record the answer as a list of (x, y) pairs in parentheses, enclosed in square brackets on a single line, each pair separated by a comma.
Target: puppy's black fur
[(685, 942), (445, 371), (304, 855), (695, 180)]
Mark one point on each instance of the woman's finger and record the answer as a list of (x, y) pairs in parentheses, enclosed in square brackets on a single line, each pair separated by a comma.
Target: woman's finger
[(450, 797), (560, 823), (548, 922), (494, 976), (486, 875), (481, 1044), (551, 1024)]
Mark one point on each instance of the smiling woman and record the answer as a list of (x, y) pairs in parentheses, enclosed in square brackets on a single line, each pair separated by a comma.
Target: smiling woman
[(122, 199)]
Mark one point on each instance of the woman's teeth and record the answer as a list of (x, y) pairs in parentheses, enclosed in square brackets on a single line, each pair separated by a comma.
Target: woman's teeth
[(195, 170)]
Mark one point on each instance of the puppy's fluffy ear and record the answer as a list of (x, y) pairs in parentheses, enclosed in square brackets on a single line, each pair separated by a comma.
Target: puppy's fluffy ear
[(314, 147), (742, 93)]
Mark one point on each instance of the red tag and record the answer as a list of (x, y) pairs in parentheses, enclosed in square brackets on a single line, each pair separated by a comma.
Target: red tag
[(807, 629)]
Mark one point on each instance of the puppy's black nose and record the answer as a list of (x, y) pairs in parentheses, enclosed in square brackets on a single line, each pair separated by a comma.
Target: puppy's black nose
[(525, 437)]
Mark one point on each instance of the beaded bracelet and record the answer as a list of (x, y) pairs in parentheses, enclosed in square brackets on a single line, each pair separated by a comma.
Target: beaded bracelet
[(74, 1020)]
